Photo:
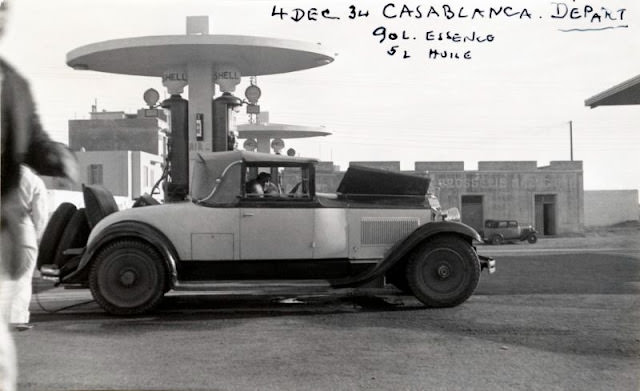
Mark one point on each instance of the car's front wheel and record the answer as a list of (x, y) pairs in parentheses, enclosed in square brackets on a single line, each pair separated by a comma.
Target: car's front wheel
[(127, 278), (532, 238), (443, 272)]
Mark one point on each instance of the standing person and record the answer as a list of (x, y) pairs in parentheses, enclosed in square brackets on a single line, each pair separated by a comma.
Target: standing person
[(23, 141), (32, 196)]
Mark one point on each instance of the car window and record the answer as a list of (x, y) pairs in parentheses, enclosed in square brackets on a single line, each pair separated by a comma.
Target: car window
[(513, 224), (502, 224), (271, 183)]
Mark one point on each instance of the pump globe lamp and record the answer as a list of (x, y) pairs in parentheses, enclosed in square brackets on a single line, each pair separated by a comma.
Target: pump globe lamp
[(151, 97)]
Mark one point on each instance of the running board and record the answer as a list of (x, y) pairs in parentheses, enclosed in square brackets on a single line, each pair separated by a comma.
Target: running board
[(249, 286)]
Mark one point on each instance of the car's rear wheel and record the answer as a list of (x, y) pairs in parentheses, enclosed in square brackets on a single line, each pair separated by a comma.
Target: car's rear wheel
[(532, 238), (496, 240), (443, 272), (128, 278)]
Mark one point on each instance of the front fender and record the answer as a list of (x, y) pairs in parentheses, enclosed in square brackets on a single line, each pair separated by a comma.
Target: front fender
[(130, 230), (405, 246)]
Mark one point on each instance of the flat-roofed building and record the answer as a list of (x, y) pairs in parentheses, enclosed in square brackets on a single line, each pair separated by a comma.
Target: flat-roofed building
[(550, 197)]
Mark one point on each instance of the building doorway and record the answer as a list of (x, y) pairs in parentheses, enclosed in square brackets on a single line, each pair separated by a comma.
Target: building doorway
[(471, 212), (545, 205)]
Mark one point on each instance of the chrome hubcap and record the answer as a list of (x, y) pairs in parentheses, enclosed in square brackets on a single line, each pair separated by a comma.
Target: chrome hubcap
[(444, 272), (128, 277)]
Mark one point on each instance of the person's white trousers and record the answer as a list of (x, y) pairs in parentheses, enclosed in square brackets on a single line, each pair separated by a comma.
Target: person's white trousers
[(8, 370), (23, 288)]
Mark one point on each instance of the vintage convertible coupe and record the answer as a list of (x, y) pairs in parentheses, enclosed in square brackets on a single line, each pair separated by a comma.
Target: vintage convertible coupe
[(378, 226)]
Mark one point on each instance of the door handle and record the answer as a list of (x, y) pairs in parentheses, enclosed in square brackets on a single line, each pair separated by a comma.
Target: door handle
[(246, 214)]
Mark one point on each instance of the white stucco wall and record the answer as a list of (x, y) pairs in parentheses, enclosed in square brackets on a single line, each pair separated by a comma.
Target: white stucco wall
[(57, 197), (607, 207)]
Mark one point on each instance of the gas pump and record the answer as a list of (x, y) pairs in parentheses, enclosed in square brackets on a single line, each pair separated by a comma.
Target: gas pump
[(176, 184), (224, 138)]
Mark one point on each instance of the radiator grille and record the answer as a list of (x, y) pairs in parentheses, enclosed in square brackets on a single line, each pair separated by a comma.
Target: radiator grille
[(386, 230)]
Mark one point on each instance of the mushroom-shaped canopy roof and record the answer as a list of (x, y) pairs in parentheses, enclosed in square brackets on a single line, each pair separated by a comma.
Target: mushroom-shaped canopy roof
[(217, 175), (154, 55), (274, 130)]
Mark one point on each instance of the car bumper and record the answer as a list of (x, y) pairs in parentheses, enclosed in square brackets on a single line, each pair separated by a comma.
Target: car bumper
[(50, 273), (487, 263)]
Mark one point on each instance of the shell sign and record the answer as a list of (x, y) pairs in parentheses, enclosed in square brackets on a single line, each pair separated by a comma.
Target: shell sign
[(175, 80), (227, 78)]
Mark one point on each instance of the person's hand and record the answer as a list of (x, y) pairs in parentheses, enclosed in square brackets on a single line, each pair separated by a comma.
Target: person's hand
[(70, 166), (65, 162)]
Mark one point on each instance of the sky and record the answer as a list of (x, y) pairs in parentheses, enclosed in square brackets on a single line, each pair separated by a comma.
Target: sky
[(512, 100)]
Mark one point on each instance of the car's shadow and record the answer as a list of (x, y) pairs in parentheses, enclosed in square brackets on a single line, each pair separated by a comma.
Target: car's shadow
[(178, 307), (282, 304)]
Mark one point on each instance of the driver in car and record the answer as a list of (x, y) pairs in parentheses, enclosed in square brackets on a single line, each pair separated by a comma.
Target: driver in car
[(262, 185)]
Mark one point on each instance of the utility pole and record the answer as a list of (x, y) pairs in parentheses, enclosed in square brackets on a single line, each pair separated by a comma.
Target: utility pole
[(571, 138)]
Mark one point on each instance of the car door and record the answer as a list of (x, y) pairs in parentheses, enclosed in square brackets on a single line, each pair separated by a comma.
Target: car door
[(513, 232), (276, 229), (279, 224)]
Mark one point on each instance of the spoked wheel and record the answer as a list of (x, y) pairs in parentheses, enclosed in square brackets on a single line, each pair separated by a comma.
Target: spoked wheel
[(444, 272), (128, 278)]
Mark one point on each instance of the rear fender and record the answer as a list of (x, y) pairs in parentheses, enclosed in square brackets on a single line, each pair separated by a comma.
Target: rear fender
[(130, 230), (404, 247)]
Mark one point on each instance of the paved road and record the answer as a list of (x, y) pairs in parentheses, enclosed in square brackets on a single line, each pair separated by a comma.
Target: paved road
[(557, 320)]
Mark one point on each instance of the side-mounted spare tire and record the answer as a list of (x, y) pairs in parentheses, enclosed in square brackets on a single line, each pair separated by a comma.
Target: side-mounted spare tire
[(75, 235), (443, 272), (99, 203), (53, 232)]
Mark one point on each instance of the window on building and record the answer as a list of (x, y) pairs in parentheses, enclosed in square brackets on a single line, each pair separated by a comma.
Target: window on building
[(145, 175), (94, 174)]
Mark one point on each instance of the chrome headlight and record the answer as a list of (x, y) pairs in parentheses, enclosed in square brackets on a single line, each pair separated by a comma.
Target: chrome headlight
[(433, 201), (451, 214)]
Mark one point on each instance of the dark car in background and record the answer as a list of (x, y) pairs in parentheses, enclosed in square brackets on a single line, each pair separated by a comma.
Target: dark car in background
[(500, 231)]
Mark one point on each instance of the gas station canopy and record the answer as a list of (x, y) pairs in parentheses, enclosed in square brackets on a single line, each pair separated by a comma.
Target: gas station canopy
[(153, 55), (200, 61), (283, 131), (625, 93)]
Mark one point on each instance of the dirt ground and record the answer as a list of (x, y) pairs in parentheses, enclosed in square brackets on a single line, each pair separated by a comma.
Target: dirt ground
[(546, 320)]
